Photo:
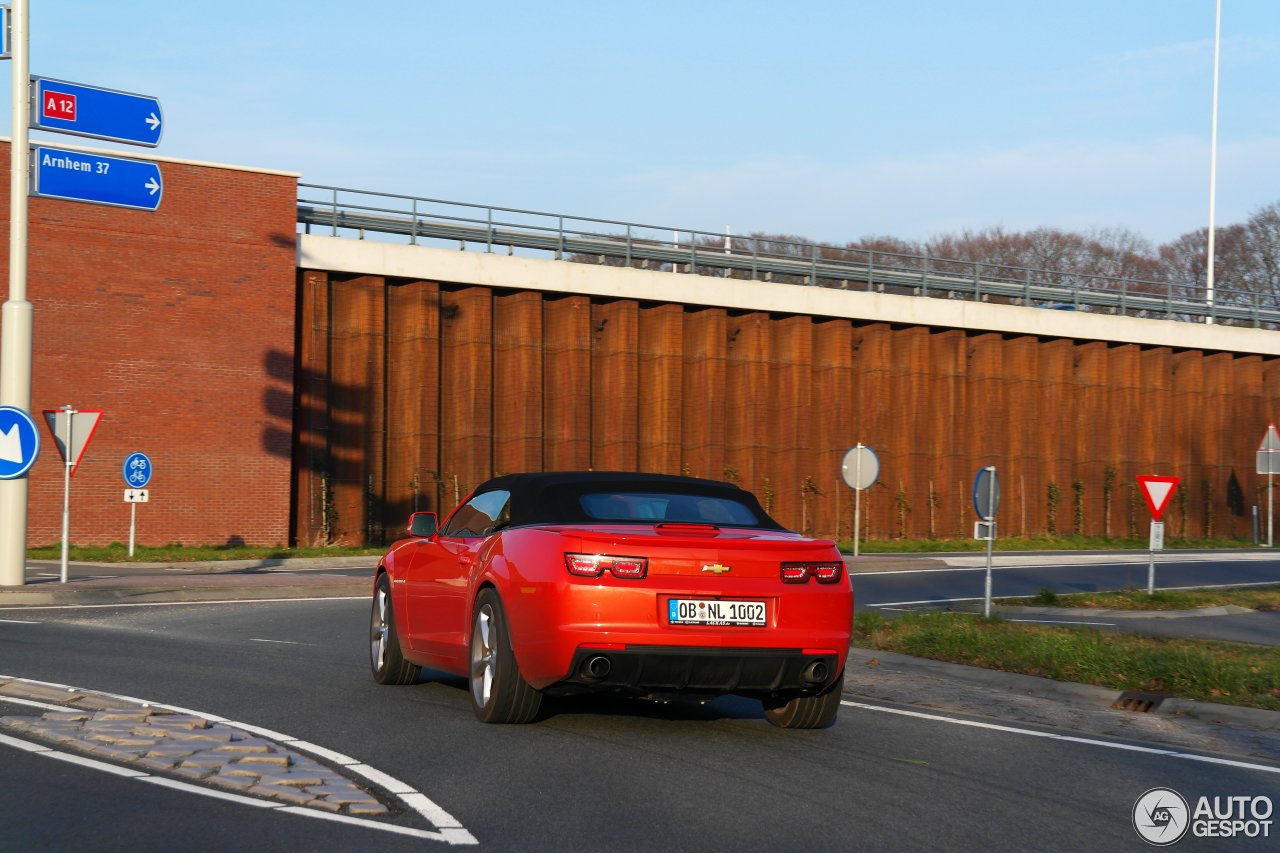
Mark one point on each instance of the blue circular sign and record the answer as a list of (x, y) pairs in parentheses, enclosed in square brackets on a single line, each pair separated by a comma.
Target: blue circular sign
[(137, 470), (19, 443), (986, 493)]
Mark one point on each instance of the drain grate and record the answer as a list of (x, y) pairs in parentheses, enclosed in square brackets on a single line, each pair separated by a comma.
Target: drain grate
[(1136, 700)]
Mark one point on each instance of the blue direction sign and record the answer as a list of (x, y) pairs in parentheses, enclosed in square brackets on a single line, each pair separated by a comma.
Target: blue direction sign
[(93, 111), (75, 176), (137, 470), (19, 442)]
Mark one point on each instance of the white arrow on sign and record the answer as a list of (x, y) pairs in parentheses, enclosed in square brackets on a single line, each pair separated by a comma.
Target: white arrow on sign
[(153, 120), (152, 185), (11, 446)]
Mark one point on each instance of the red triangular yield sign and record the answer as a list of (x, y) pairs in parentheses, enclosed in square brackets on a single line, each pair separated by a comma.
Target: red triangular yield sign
[(1157, 491), (1271, 440), (79, 426)]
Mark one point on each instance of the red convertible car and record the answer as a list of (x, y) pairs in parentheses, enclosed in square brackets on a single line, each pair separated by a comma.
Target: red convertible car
[(642, 584)]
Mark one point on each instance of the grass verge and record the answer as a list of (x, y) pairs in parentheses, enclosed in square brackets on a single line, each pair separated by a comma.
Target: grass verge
[(1211, 671), (178, 553), (1255, 598)]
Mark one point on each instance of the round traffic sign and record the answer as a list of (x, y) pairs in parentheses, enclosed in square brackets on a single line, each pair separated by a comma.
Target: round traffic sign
[(137, 470), (986, 493), (19, 442), (860, 467)]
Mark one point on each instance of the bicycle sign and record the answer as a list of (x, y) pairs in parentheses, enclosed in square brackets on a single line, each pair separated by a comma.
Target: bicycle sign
[(137, 470)]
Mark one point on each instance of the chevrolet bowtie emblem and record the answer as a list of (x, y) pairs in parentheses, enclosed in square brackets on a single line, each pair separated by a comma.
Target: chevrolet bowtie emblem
[(717, 568)]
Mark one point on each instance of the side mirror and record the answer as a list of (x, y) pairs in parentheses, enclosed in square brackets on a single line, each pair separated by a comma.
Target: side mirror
[(422, 524)]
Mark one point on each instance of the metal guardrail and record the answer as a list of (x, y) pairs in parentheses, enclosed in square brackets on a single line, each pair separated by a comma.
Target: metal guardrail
[(426, 221)]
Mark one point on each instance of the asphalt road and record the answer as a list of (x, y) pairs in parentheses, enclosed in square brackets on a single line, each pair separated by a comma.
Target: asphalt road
[(592, 775), (958, 581)]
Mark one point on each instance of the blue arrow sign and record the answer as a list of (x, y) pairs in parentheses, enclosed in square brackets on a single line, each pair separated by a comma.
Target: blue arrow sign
[(19, 442), (93, 111), (137, 470), (117, 181)]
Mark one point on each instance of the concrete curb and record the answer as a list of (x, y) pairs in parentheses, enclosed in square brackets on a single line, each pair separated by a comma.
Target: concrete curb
[(1035, 685), (183, 587), (221, 566), (141, 595)]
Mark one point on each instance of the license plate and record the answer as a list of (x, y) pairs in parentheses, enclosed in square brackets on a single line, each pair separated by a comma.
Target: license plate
[(697, 611)]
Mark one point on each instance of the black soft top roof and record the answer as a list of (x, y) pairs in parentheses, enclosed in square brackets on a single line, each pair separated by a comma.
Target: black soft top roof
[(552, 497)]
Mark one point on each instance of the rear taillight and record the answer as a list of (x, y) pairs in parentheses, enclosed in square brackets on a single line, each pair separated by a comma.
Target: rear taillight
[(795, 572), (594, 565), (821, 572), (827, 572)]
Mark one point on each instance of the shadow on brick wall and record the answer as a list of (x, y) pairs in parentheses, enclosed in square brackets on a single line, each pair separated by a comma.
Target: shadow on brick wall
[(321, 426)]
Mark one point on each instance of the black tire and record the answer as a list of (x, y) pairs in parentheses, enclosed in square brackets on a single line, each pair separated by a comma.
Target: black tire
[(499, 693), (385, 659), (806, 712)]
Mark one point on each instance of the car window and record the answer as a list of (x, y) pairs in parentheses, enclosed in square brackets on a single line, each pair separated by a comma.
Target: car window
[(480, 516), (656, 506)]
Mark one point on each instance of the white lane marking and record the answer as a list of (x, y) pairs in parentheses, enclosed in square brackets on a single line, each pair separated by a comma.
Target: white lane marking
[(329, 754), (25, 607), (450, 830), (19, 622), (281, 642), (449, 835), (217, 795), (1127, 747), (31, 703), (1063, 622), (891, 604), (927, 601)]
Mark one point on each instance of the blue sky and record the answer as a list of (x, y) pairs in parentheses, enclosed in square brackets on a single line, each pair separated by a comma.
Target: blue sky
[(828, 120)]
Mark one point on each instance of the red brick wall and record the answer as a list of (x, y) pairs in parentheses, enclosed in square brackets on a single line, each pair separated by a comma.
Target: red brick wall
[(179, 326)]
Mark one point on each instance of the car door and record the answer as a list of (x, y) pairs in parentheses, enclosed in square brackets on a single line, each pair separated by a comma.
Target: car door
[(437, 580)]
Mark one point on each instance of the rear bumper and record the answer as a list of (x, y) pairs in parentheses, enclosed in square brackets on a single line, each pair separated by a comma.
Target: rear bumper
[(685, 671)]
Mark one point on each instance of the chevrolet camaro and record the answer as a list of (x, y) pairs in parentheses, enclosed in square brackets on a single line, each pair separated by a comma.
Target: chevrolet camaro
[(647, 585)]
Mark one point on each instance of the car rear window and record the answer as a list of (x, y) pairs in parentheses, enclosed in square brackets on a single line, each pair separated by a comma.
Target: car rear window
[(662, 506)]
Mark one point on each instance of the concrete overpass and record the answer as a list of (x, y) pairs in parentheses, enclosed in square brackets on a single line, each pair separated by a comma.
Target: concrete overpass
[(307, 387)]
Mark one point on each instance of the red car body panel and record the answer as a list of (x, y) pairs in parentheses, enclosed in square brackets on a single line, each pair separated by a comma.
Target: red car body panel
[(554, 615)]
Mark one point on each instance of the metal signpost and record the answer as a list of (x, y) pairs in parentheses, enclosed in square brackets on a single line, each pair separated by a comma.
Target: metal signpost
[(71, 430), (137, 473), (96, 178), (1269, 464), (93, 111), (859, 469), (986, 500), (15, 338), (1156, 491)]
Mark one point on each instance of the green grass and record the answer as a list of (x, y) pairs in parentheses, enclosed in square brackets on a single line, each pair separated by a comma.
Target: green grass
[(1229, 673), (1255, 598), (179, 553), (1033, 543)]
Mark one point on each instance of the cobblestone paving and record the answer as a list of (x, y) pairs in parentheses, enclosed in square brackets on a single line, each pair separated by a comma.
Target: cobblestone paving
[(182, 746)]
